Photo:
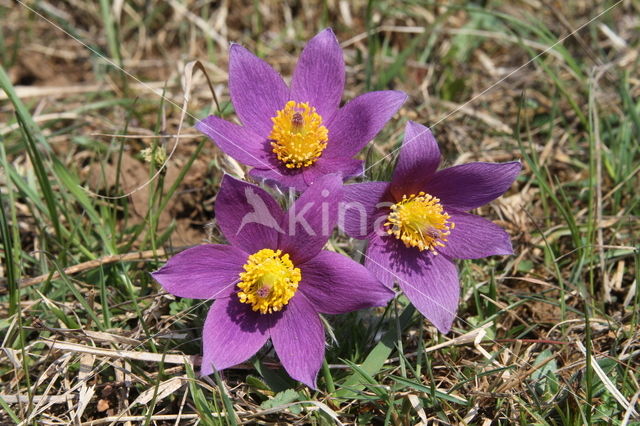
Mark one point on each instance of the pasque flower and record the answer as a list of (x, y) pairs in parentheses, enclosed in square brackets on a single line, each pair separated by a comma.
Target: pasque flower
[(418, 223), (273, 279), (292, 136)]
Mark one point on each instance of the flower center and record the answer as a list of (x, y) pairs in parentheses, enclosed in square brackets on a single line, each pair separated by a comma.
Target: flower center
[(269, 281), (298, 136), (419, 221)]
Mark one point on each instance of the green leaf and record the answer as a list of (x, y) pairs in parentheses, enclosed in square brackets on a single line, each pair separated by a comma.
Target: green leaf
[(274, 379), (544, 379), (257, 383), (201, 403), (426, 389), (376, 358), (368, 381), (228, 404), (9, 411), (281, 398)]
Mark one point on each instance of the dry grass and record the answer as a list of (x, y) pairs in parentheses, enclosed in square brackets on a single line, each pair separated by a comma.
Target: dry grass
[(549, 335)]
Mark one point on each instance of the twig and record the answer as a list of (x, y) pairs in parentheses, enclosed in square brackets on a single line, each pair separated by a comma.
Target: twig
[(119, 353), (90, 264), (53, 399), (159, 417)]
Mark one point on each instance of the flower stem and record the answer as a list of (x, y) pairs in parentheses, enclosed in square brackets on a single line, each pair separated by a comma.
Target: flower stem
[(327, 377)]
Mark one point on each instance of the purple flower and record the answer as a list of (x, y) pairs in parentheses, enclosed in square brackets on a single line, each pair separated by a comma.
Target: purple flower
[(292, 136), (273, 280), (417, 223)]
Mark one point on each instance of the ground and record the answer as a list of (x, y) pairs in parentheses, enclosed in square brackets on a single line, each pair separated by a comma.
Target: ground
[(546, 336)]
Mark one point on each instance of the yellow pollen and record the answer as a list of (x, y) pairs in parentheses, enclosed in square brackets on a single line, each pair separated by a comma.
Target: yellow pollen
[(298, 136), (269, 281), (419, 221)]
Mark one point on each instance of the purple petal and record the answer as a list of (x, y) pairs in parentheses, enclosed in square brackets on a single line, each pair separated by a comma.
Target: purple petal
[(472, 185), (335, 284), (300, 179), (236, 141), (247, 215), (281, 177), (204, 272), (298, 338), (257, 90), (319, 75), (434, 291), (310, 221), (361, 207), (429, 281), (474, 237), (232, 333), (346, 167), (379, 256), (312, 173), (359, 121), (418, 160)]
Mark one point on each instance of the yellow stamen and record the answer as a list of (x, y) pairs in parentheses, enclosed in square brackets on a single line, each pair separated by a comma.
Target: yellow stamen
[(419, 221), (270, 280), (298, 136)]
